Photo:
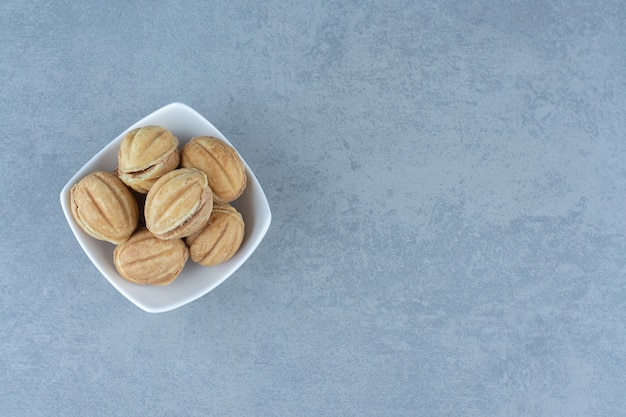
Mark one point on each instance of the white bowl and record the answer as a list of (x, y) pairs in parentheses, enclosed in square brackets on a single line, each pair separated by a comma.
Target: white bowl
[(194, 281)]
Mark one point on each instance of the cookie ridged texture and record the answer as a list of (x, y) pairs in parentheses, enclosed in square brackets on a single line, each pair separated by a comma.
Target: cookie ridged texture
[(220, 239), (178, 204), (146, 154), (104, 207), (220, 162), (148, 260)]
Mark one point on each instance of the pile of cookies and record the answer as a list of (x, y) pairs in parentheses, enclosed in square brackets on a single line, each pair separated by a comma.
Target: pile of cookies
[(163, 204)]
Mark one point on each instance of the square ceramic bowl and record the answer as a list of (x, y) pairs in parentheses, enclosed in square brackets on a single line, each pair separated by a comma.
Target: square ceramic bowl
[(194, 281)]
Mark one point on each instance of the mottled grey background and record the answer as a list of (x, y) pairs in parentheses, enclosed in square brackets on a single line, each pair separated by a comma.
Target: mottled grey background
[(447, 183)]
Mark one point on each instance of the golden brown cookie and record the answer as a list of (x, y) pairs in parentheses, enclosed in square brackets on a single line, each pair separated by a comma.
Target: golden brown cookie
[(220, 239), (178, 204), (104, 207), (146, 259), (146, 154), (220, 162)]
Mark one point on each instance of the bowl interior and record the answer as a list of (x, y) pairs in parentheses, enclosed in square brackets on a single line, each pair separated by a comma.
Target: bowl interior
[(194, 280)]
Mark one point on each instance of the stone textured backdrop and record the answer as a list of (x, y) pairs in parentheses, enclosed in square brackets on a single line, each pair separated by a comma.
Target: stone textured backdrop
[(447, 184)]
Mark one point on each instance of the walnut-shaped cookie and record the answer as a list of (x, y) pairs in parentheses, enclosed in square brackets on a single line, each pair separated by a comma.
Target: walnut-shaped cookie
[(220, 162), (104, 207), (220, 239), (148, 260), (178, 204), (145, 155)]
